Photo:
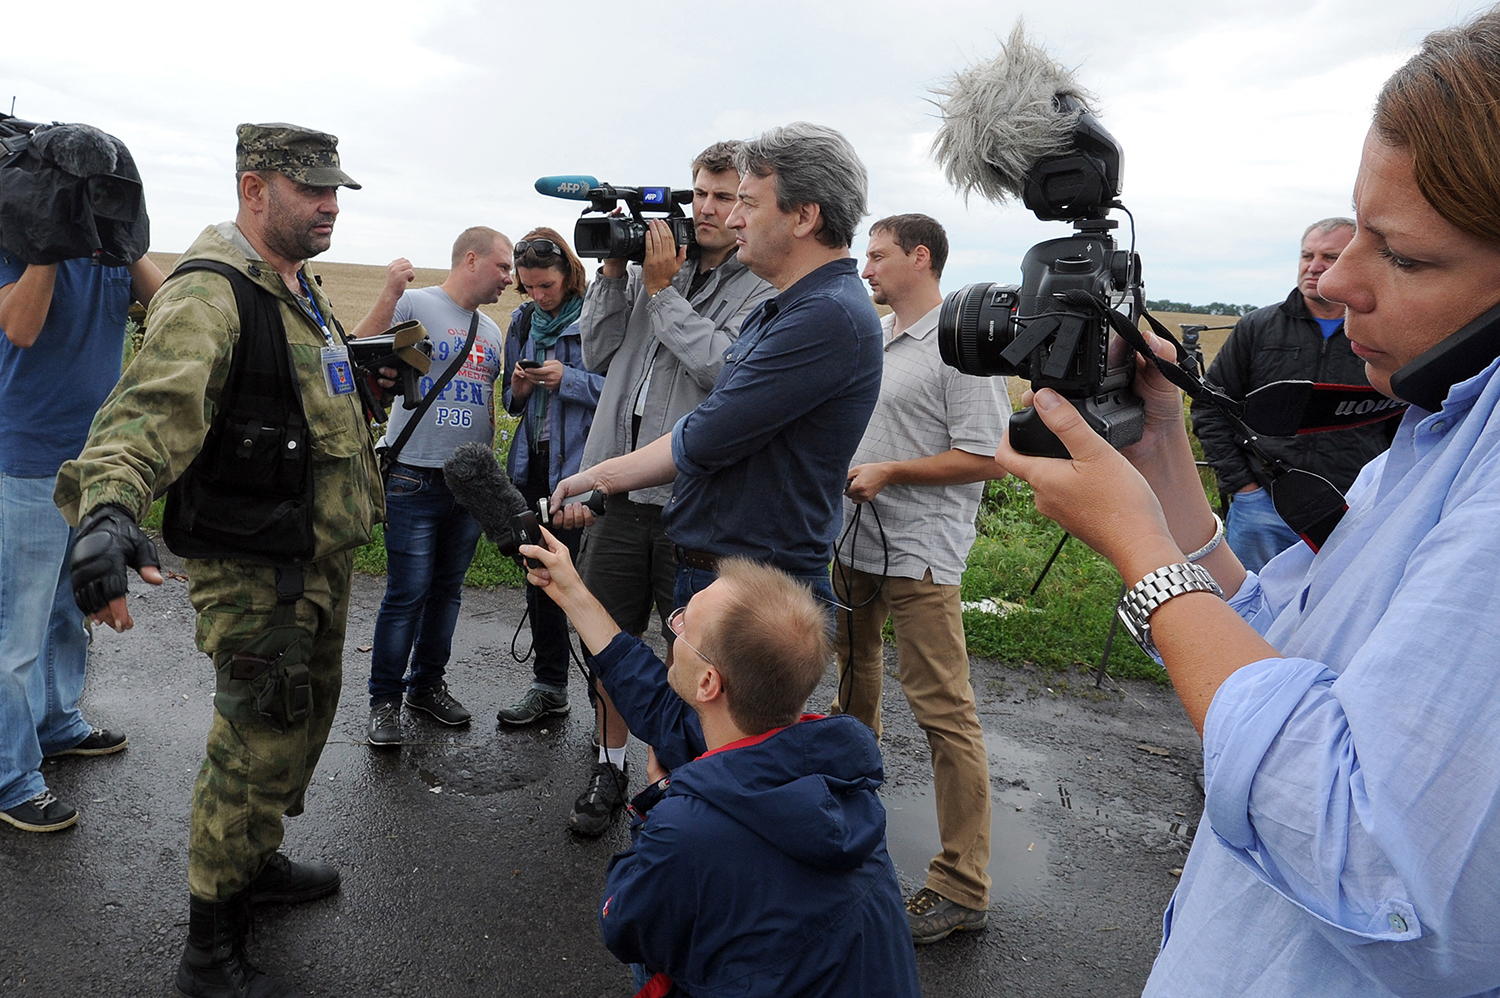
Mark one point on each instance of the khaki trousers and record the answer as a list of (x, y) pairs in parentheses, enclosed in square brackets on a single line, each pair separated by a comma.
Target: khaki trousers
[(934, 662), (253, 774)]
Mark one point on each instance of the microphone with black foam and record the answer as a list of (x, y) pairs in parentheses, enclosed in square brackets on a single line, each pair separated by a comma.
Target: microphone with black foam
[(1001, 117), (481, 486)]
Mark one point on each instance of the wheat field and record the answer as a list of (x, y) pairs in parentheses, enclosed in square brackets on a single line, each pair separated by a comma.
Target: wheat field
[(353, 288)]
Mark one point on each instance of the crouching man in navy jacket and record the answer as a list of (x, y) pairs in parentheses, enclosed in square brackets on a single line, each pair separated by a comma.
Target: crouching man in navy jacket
[(759, 865)]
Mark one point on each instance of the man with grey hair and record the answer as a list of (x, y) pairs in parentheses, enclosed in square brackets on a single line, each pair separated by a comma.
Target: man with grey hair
[(429, 537), (658, 330), (759, 467), (1299, 339)]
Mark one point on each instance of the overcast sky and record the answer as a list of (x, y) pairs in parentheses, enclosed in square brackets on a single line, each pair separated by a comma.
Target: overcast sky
[(1241, 122)]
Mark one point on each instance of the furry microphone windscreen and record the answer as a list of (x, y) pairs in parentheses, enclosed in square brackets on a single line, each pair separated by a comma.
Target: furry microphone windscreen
[(481, 486), (999, 119), (82, 150)]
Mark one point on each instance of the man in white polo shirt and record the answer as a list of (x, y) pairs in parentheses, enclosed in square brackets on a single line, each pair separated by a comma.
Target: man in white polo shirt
[(928, 449)]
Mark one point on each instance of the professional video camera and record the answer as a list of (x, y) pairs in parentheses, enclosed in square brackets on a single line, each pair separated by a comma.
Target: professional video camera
[(615, 236), (1019, 125)]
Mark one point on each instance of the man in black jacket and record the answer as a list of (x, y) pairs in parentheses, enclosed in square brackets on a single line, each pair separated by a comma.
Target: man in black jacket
[(1300, 339)]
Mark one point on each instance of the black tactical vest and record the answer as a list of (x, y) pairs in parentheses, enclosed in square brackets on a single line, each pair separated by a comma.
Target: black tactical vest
[(249, 493)]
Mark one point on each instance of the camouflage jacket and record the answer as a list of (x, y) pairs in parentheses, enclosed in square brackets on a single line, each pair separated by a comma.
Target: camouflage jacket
[(153, 424)]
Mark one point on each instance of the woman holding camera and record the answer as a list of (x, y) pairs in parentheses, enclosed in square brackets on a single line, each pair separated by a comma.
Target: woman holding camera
[(547, 385), (1349, 700)]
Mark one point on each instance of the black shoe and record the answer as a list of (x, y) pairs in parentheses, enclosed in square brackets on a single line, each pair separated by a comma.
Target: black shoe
[(285, 882), (933, 917), (214, 965), (384, 727), (595, 808), (43, 813), (100, 741), (534, 705), (439, 703)]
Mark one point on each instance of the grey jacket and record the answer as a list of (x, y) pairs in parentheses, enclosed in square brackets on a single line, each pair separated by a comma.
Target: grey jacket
[(623, 329)]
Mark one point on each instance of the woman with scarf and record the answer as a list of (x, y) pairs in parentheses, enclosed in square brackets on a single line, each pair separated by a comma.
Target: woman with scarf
[(548, 387)]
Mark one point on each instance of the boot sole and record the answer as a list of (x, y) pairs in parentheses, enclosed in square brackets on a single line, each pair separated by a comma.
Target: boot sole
[(323, 892)]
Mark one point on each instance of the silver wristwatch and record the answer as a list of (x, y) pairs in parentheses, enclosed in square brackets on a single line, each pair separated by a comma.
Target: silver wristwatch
[(1141, 601)]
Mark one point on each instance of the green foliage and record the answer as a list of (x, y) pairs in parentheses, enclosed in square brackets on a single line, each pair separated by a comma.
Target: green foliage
[(1067, 621)]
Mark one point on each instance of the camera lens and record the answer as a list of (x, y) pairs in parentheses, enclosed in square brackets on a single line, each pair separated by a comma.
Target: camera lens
[(976, 324)]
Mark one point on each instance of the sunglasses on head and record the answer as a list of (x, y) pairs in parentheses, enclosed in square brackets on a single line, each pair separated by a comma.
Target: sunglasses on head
[(538, 248)]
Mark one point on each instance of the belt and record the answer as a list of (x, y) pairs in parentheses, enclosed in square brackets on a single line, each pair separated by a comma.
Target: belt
[(698, 559)]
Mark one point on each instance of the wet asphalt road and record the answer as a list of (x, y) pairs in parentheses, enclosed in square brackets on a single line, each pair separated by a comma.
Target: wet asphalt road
[(460, 878)]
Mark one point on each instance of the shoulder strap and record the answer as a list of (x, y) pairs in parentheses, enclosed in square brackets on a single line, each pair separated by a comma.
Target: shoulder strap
[(432, 393)]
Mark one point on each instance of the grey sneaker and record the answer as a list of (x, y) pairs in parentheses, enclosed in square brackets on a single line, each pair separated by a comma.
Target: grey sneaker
[(384, 728), (933, 917), (43, 813), (534, 705), (439, 703), (595, 808)]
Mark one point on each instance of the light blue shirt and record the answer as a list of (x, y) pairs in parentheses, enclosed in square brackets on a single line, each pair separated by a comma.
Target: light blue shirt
[(1351, 844)]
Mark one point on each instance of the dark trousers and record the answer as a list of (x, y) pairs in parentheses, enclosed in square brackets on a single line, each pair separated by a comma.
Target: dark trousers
[(549, 625)]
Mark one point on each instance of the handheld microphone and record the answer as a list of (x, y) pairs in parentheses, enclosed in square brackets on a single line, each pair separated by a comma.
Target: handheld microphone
[(1002, 116), (573, 187), (481, 486)]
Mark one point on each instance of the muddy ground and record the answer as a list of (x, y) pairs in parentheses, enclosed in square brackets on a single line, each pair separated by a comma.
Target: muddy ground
[(460, 879)]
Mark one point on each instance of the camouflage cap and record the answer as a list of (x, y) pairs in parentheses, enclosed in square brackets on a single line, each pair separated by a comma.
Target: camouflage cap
[(301, 154)]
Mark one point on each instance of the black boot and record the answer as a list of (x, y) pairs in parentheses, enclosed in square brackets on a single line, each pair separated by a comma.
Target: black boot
[(285, 882), (214, 964)]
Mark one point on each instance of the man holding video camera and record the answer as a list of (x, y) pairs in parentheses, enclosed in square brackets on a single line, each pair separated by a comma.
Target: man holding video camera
[(760, 866), (758, 469), (429, 537), (658, 330), (241, 406)]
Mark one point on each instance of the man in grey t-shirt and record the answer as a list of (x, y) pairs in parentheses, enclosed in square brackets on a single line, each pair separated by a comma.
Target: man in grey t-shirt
[(429, 538)]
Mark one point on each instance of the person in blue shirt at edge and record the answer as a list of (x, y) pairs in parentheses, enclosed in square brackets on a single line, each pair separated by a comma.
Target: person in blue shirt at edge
[(759, 867), (548, 386), (1348, 699), (758, 469)]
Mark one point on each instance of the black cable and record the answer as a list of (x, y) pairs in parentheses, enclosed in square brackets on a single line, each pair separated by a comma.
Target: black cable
[(851, 533)]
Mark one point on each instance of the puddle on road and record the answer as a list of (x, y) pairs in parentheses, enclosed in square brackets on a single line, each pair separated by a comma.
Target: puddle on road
[(1018, 853)]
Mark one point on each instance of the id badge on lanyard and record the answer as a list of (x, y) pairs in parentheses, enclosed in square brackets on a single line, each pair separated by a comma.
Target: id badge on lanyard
[(338, 372)]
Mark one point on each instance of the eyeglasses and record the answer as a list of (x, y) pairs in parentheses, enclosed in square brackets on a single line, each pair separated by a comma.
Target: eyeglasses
[(538, 248), (675, 623)]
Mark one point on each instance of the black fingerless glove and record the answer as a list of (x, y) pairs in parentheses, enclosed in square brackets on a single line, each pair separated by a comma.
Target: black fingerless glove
[(108, 542)]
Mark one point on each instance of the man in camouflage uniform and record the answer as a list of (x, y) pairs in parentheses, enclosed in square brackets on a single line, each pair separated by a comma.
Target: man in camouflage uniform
[(146, 434)]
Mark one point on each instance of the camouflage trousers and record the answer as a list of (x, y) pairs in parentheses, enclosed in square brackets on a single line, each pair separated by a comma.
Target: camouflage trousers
[(256, 771)]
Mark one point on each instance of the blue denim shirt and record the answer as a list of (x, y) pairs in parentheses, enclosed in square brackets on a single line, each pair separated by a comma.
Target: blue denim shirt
[(1352, 836), (761, 464)]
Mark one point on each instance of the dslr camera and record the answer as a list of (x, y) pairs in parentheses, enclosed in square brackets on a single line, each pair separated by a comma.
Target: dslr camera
[(1037, 330), (618, 236)]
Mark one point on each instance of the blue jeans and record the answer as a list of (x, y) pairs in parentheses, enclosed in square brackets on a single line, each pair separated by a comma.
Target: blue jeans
[(1255, 531), (44, 646), (429, 542)]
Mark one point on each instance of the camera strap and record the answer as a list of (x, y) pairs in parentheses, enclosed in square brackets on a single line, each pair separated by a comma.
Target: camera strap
[(1310, 504)]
